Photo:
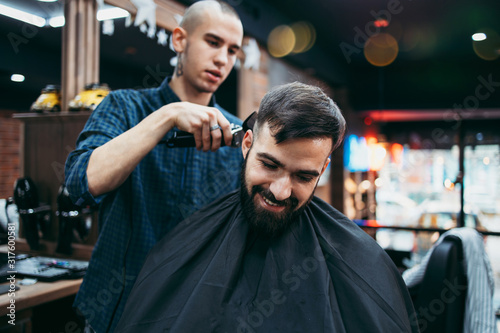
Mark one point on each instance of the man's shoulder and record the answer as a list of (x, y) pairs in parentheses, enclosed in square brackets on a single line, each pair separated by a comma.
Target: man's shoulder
[(338, 228), (348, 245), (317, 204), (132, 100), (131, 93)]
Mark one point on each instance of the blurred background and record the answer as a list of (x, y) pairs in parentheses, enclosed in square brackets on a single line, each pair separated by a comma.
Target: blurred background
[(417, 80)]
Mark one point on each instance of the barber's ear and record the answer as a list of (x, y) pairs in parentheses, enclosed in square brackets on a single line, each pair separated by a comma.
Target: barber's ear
[(326, 165), (179, 36), (247, 143)]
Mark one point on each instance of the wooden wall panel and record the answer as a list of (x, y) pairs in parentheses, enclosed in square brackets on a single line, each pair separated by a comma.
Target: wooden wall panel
[(80, 48)]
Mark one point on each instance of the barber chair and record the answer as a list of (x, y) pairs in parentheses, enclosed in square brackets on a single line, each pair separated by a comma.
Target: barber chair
[(440, 298)]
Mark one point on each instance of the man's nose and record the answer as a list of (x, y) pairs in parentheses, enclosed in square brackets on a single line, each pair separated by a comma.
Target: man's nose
[(222, 56), (281, 188)]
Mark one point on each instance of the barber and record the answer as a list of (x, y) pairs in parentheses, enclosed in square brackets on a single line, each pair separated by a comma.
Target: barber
[(143, 187)]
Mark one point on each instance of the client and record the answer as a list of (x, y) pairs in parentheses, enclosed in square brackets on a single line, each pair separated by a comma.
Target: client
[(272, 257)]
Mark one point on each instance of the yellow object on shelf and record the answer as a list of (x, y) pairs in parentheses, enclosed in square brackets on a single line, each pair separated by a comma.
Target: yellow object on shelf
[(49, 100), (89, 98)]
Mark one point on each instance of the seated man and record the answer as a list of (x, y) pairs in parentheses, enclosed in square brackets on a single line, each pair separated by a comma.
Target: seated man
[(271, 257)]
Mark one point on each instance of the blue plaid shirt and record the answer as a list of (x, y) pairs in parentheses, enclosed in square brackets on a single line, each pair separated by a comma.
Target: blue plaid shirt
[(168, 185)]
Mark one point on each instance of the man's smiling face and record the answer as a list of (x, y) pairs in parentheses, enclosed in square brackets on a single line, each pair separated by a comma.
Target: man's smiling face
[(278, 180)]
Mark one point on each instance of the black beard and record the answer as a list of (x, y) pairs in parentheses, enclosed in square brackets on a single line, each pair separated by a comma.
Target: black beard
[(264, 223)]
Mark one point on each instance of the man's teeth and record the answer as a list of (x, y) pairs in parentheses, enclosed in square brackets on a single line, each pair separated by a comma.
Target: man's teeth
[(270, 203)]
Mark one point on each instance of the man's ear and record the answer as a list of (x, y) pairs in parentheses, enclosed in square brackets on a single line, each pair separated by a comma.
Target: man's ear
[(326, 165), (179, 36), (247, 143)]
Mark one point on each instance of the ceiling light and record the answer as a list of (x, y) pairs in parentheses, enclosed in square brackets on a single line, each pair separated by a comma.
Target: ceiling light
[(22, 16), (17, 78), (102, 15), (57, 21), (479, 36), (47, 0), (111, 14)]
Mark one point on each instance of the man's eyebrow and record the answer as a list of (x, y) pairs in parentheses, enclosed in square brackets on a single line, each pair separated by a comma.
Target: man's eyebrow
[(313, 173), (267, 156), (271, 158), (221, 40)]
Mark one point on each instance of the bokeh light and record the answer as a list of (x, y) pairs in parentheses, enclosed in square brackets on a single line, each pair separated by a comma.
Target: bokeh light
[(489, 47), (397, 151), (281, 41), (298, 37), (410, 39), (420, 40), (305, 36), (381, 49)]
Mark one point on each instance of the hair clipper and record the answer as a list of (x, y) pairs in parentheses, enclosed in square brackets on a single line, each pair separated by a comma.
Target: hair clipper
[(182, 139)]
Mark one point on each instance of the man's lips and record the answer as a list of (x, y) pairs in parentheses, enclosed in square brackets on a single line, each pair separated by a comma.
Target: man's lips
[(215, 75), (271, 205)]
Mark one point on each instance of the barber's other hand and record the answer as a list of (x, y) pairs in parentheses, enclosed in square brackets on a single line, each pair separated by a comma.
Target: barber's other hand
[(198, 120)]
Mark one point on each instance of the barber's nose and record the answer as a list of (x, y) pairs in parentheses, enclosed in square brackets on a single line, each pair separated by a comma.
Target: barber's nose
[(281, 188), (221, 57)]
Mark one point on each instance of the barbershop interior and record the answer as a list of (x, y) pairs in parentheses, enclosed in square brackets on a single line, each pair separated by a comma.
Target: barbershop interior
[(418, 83)]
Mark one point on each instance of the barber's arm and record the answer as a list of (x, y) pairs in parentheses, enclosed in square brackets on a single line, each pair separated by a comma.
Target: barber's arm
[(110, 164)]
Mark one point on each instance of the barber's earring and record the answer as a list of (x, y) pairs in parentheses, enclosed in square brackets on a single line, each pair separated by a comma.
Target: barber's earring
[(179, 70)]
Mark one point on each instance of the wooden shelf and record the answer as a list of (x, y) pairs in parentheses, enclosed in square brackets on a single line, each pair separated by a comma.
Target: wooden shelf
[(52, 117)]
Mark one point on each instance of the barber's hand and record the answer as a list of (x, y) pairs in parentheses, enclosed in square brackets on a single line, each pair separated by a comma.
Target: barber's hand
[(203, 122)]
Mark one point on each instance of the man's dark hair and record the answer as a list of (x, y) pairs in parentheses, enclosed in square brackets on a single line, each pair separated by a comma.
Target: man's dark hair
[(297, 110)]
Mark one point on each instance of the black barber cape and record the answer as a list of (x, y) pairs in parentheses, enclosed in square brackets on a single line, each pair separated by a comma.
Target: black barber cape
[(210, 274)]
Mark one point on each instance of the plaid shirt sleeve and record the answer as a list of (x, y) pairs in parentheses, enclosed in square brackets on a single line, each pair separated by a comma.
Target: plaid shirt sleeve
[(105, 123)]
